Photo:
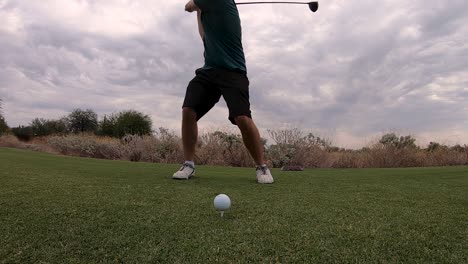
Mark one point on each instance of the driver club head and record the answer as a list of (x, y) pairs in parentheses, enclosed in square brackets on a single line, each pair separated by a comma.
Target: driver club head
[(313, 6)]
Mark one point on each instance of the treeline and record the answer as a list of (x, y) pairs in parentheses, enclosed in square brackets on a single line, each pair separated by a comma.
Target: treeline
[(129, 122)]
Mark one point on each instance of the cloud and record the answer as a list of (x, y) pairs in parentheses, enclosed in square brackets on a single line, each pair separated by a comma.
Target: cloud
[(351, 70)]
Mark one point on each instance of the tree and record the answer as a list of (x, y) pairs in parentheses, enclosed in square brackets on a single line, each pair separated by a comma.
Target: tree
[(392, 140), (107, 127), (43, 127), (38, 126), (83, 121), (131, 122), (59, 126)]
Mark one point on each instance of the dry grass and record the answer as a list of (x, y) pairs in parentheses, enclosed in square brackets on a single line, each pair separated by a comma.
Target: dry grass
[(225, 148), (10, 141)]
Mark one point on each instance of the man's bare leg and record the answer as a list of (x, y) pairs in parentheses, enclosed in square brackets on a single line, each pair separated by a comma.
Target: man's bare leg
[(254, 144), (189, 140), (189, 132), (251, 138)]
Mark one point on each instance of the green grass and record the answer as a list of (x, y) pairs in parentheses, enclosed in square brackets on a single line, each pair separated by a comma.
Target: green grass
[(74, 210)]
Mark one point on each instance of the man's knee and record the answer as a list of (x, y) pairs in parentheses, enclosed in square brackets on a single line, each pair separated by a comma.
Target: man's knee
[(242, 120), (188, 112)]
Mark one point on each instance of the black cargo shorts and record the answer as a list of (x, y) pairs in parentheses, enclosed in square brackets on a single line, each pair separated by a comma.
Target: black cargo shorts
[(204, 91)]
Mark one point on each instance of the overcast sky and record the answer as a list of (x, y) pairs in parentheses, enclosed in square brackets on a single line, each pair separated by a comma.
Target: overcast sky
[(351, 72)]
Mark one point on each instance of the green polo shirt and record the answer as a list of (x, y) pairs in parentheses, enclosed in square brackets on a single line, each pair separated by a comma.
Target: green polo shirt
[(223, 35)]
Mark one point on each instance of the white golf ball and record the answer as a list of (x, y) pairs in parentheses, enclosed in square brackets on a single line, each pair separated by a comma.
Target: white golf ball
[(222, 202)]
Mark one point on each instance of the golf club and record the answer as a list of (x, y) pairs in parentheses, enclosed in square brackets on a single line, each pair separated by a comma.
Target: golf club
[(313, 6)]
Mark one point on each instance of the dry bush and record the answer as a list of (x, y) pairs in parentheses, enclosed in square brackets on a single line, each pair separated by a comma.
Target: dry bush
[(381, 156), (223, 149), (347, 159), (159, 148), (138, 148), (86, 145), (303, 155), (169, 148), (209, 150), (10, 141), (446, 157), (315, 157), (293, 148), (226, 148)]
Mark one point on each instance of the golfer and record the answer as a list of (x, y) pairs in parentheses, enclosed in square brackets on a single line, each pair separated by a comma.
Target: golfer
[(224, 74)]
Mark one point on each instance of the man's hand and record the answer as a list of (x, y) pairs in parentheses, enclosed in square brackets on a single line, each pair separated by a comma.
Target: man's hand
[(191, 6)]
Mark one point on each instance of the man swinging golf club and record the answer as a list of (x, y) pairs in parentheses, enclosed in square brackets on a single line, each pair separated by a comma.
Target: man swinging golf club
[(224, 74)]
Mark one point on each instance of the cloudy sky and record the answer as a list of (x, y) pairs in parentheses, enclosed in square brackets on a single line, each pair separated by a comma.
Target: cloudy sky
[(351, 72)]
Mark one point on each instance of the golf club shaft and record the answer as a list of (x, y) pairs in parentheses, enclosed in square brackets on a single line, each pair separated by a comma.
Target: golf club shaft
[(250, 3)]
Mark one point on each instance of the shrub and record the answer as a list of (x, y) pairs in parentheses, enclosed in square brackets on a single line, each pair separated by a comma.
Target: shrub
[(39, 128), (10, 141), (293, 148), (434, 146), (233, 152), (168, 147), (86, 145), (3, 126), (23, 133), (393, 141), (132, 123), (226, 148), (209, 150), (107, 126)]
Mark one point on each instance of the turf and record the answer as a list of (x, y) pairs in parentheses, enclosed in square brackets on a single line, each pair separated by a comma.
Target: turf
[(56, 209)]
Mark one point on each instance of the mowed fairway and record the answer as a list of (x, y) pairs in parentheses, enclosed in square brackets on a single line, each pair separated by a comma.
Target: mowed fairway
[(75, 210)]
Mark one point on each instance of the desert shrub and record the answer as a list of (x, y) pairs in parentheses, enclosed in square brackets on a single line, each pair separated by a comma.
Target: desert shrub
[(107, 126), (10, 141), (131, 123), (445, 157), (293, 148), (3, 127), (223, 148), (433, 146), (168, 147), (392, 151), (23, 133), (226, 148), (85, 145), (233, 150), (38, 126), (461, 149), (348, 159), (393, 141), (390, 156), (140, 148), (43, 127), (163, 147), (209, 150)]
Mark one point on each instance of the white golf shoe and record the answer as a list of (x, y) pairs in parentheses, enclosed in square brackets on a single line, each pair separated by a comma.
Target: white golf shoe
[(185, 172), (264, 175)]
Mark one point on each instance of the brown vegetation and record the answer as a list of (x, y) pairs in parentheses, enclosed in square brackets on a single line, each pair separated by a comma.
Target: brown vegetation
[(290, 149)]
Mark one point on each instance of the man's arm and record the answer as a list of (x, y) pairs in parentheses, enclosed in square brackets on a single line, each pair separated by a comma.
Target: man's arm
[(200, 25)]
